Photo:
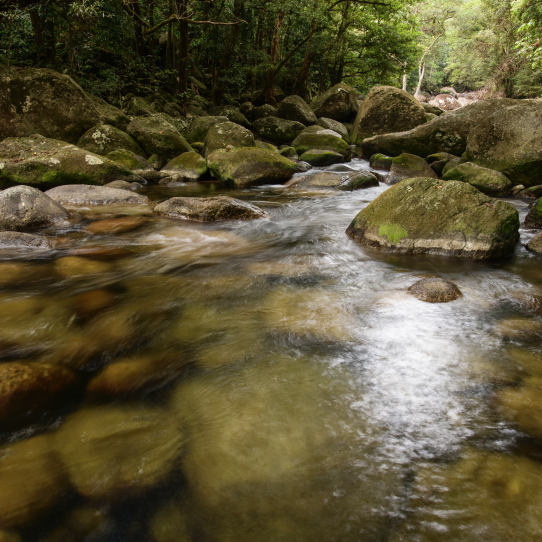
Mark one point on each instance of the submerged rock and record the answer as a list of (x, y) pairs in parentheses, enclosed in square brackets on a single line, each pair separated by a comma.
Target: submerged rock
[(14, 239), (451, 218), (46, 163), (116, 225), (250, 167), (82, 194), (124, 185), (118, 452), (407, 166), (23, 207), (337, 103), (209, 209), (33, 480), (42, 101), (386, 109), (488, 181), (435, 290), (278, 130), (226, 135)]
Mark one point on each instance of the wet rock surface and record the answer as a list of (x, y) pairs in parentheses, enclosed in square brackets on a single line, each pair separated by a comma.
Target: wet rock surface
[(82, 194), (434, 290)]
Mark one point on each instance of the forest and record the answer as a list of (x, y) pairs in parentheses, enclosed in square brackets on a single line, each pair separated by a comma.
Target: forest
[(236, 47)]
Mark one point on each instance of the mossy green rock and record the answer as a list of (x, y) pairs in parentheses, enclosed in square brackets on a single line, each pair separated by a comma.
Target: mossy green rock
[(197, 131), (264, 145), (439, 156), (289, 152), (278, 130), (407, 166), (180, 124), (359, 180), (42, 101), (381, 161), (263, 111), (534, 216), (429, 117), (109, 113), (386, 109), (136, 107), (510, 141), (337, 103), (156, 136), (318, 138), (227, 134), (189, 166), (336, 126), (488, 181), (535, 244), (451, 218), (450, 164), (249, 167), (103, 139), (231, 113), (295, 108), (45, 163), (448, 133), (321, 158), (128, 159)]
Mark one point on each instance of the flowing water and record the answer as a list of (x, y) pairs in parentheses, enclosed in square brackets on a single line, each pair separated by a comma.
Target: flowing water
[(266, 381)]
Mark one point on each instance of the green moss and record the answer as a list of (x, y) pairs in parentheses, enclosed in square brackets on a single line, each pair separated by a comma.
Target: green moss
[(394, 232)]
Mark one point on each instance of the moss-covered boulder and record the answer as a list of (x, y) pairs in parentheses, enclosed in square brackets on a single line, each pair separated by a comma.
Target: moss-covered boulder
[(488, 181), (180, 124), (199, 127), (42, 101), (385, 110), (137, 107), (265, 145), (534, 192), (102, 139), (263, 111), (337, 103), (358, 180), (278, 130), (231, 113), (448, 133), (209, 209), (407, 166), (156, 136), (336, 126), (510, 141), (289, 152), (534, 216), (227, 134), (296, 108), (318, 138), (45, 163), (109, 114), (243, 167), (451, 218), (129, 159), (319, 158), (190, 166), (381, 161), (452, 163), (439, 156)]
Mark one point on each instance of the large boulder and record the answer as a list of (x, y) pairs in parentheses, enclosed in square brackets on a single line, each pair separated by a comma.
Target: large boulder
[(103, 139), (336, 126), (190, 166), (318, 138), (209, 209), (137, 107), (510, 141), (385, 110), (231, 113), (118, 452), (407, 166), (84, 194), (109, 114), (488, 181), (430, 216), (156, 136), (23, 207), (448, 133), (445, 102), (130, 160), (296, 108), (227, 134), (263, 111), (29, 389), (42, 101), (278, 130), (45, 163), (197, 132), (337, 103), (249, 167)]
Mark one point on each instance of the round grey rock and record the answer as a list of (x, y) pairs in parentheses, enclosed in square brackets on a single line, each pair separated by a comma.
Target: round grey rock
[(83, 194), (435, 290)]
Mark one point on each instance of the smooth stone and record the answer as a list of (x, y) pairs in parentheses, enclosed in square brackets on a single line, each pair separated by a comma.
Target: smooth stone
[(320, 180), (209, 209), (434, 290), (124, 185), (358, 180), (12, 239), (92, 302), (83, 194), (381, 161), (116, 225), (321, 158), (71, 266), (119, 452)]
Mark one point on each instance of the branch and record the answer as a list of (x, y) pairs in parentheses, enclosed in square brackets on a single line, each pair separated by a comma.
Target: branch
[(368, 2)]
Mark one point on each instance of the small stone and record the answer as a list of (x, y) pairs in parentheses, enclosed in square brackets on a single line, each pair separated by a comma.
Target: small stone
[(116, 225), (124, 185), (434, 290), (516, 190), (209, 209)]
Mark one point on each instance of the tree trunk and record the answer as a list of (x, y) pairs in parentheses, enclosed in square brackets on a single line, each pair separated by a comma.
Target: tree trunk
[(300, 85), (169, 45), (138, 30), (35, 19), (182, 6), (272, 73), (421, 71)]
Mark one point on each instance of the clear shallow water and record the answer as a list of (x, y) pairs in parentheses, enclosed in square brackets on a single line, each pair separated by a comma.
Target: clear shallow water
[(269, 380)]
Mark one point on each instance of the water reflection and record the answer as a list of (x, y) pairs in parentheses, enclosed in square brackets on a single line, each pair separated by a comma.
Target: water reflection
[(264, 380)]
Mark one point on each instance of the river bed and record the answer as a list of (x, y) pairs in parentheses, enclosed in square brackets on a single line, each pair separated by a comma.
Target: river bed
[(269, 381)]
